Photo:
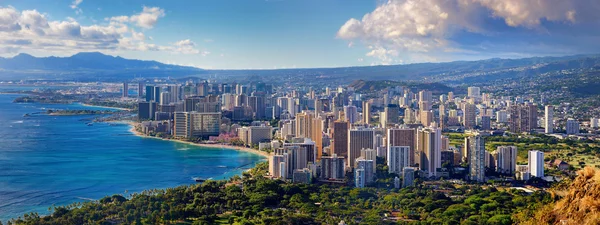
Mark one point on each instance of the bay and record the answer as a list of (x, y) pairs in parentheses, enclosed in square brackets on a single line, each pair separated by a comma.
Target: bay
[(57, 160)]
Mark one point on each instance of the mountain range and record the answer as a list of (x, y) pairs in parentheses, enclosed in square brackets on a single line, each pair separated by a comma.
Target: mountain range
[(98, 66)]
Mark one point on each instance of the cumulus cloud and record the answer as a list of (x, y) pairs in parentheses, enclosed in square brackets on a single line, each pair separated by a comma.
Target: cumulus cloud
[(75, 5), (146, 19), (32, 30), (429, 27)]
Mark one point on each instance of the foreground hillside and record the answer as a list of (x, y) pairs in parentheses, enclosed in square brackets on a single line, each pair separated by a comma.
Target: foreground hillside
[(579, 206), (253, 199)]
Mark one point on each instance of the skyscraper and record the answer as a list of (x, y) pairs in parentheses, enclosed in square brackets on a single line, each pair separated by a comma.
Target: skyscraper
[(536, 163), (140, 89), (572, 127), (403, 137), (358, 139), (366, 112), (351, 114), (523, 118), (475, 146), (506, 159), (367, 166), (408, 177), (469, 116), (392, 113), (426, 117), (398, 158), (549, 119), (340, 138), (333, 167), (125, 89), (429, 141), (150, 93), (359, 178)]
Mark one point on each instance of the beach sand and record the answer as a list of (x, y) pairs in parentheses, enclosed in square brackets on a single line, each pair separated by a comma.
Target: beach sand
[(219, 146)]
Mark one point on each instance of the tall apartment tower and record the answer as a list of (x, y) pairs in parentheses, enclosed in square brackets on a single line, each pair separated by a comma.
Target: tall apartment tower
[(397, 158), (523, 118), (469, 117), (358, 139), (125, 89), (403, 137), (536, 163), (475, 145), (473, 92), (340, 138), (506, 159), (140, 89), (429, 144), (548, 119), (366, 112)]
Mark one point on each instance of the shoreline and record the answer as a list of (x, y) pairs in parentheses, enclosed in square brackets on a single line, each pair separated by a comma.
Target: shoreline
[(215, 146), (107, 107)]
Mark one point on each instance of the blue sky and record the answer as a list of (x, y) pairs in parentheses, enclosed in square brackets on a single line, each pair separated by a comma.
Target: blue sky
[(236, 34)]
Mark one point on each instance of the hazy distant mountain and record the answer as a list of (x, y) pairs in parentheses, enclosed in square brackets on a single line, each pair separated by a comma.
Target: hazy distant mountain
[(83, 61)]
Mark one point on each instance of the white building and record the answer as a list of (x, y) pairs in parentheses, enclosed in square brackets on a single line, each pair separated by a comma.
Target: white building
[(476, 157), (474, 92), (398, 158), (536, 163)]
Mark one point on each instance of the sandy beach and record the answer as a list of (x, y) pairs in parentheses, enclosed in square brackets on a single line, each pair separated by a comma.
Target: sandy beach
[(219, 146)]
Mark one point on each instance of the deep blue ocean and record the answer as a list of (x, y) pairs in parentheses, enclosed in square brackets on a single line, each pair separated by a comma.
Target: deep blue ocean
[(57, 160)]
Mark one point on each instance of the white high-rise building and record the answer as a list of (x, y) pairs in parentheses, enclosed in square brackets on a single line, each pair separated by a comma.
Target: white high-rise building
[(549, 119), (594, 122), (501, 116), (536, 163), (367, 166), (398, 158)]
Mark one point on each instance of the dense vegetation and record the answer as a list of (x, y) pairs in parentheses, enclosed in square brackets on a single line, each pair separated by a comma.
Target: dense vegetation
[(253, 199), (78, 112)]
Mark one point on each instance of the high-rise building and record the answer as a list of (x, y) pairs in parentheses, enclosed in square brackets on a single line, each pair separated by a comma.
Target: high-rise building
[(398, 158), (403, 137), (429, 141), (536, 163), (366, 112), (367, 166), (572, 127), (425, 96), (506, 159), (369, 154), (469, 116), (304, 123), (408, 176), (274, 162), (359, 178), (157, 91), (165, 98), (146, 110), (253, 135), (340, 138), (392, 114), (549, 119), (125, 90), (502, 116), (351, 114), (358, 139), (333, 167), (426, 118), (523, 118), (150, 93), (195, 124), (486, 123), (475, 146), (309, 146), (594, 122), (140, 89), (317, 136), (474, 92)]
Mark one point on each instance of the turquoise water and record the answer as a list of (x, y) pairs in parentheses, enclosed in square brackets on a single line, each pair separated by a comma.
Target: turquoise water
[(57, 160)]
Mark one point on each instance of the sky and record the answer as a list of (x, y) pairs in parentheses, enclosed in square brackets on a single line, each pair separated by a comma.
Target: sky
[(271, 34)]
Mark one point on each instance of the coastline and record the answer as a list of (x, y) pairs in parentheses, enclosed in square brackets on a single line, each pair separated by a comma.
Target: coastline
[(108, 107), (218, 146)]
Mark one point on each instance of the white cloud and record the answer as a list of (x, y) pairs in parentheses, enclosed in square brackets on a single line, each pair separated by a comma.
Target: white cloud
[(425, 27), (31, 30), (146, 19), (75, 4)]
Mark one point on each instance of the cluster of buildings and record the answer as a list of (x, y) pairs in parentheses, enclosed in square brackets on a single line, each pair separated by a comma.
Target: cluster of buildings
[(337, 135)]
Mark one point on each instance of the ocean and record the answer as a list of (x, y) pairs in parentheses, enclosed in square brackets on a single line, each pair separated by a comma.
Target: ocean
[(57, 160)]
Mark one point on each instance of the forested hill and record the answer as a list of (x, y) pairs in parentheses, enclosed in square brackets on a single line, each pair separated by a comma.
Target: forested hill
[(265, 201)]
